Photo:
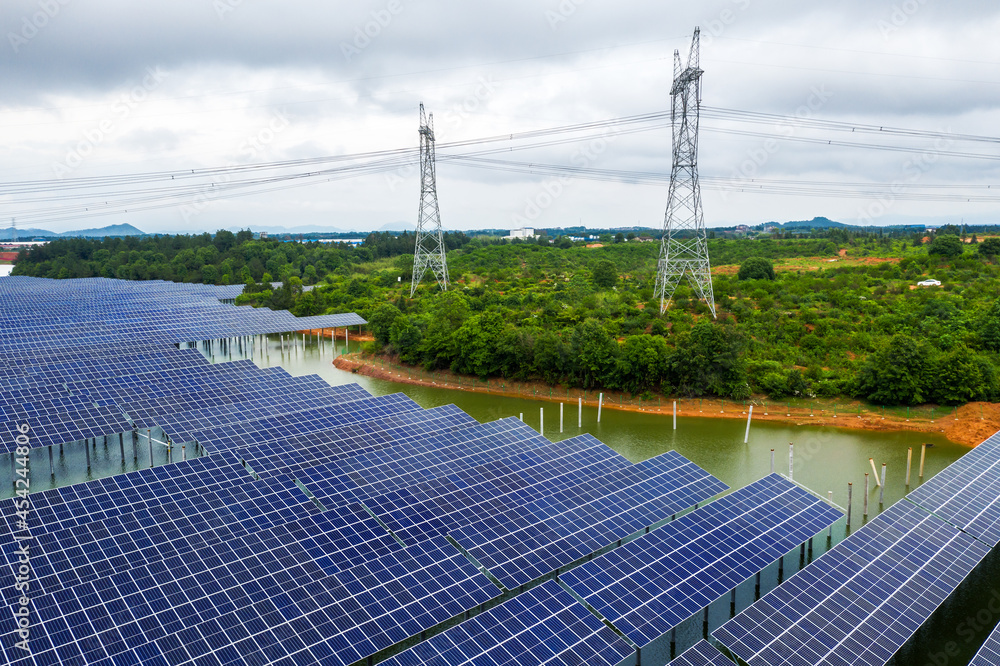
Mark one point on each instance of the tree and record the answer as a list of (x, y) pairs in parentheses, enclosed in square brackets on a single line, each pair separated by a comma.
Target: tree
[(595, 353), (604, 274), (897, 373), (989, 247), (405, 338), (642, 363), (551, 358), (380, 322), (476, 345), (708, 359), (619, 237), (756, 268), (946, 245), (209, 274), (957, 378), (989, 328)]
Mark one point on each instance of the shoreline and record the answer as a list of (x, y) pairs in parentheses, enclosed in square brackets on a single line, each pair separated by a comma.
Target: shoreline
[(964, 427)]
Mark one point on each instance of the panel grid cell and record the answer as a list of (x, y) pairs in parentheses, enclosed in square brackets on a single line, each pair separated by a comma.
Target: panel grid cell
[(862, 600)]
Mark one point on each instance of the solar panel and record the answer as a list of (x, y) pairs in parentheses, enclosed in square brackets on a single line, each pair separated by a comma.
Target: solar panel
[(263, 595), (862, 600), (542, 626), (442, 506), (292, 454), (967, 492), (652, 584), (701, 653), (989, 653), (545, 533), (378, 472), (236, 435)]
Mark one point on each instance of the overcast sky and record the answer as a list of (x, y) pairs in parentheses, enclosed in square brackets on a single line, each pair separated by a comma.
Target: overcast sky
[(107, 87)]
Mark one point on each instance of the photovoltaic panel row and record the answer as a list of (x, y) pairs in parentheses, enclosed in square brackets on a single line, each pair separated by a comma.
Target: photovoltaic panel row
[(154, 531), (101, 499), (290, 455), (701, 653), (378, 472), (654, 583), (143, 384), (105, 371), (57, 369), (989, 653), (151, 411), (441, 506), (274, 404), (545, 533), (58, 427), (542, 626), (235, 435), (253, 597), (967, 492), (860, 601)]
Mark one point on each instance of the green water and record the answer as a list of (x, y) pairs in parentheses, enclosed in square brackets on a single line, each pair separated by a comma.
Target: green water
[(825, 459)]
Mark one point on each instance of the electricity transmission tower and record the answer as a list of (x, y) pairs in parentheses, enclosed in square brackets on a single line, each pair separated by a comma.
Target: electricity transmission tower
[(430, 250), (13, 230), (684, 247)]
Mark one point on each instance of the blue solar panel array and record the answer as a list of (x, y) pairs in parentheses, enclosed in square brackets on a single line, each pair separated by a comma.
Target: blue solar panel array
[(862, 600), (365, 521), (967, 493), (701, 654), (542, 626), (652, 584), (989, 653)]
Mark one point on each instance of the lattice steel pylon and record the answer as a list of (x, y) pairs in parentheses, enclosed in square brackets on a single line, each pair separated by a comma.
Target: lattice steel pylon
[(684, 246), (430, 250)]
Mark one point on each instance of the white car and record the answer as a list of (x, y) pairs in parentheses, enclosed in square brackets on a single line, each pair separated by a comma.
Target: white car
[(929, 283)]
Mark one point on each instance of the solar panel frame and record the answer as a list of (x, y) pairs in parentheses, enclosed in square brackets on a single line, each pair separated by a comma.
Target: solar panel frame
[(905, 559)]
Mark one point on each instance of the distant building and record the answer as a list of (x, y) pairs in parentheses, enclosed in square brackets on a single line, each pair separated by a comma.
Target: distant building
[(263, 235), (742, 229), (526, 232)]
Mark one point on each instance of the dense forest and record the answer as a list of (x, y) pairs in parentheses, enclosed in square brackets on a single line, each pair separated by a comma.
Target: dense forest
[(832, 313)]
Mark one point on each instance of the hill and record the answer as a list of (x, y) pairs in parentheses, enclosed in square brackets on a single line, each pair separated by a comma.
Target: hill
[(114, 231)]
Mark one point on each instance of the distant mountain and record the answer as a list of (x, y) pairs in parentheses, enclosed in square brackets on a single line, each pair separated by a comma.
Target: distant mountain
[(24, 234), (115, 231)]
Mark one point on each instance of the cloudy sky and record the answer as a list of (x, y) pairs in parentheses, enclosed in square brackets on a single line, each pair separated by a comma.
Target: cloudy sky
[(108, 88)]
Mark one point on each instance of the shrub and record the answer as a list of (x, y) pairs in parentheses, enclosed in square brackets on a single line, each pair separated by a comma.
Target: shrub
[(756, 268)]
